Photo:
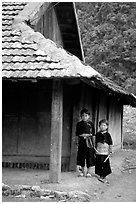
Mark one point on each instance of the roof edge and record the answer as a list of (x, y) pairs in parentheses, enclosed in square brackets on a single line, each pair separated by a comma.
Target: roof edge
[(78, 29), (97, 82)]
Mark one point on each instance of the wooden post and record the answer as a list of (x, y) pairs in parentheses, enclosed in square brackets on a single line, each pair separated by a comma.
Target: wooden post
[(56, 132)]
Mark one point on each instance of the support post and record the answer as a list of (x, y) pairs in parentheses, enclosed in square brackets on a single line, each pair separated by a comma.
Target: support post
[(56, 132)]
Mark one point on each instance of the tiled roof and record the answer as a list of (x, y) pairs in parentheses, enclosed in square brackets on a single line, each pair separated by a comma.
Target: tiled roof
[(28, 54), (9, 11)]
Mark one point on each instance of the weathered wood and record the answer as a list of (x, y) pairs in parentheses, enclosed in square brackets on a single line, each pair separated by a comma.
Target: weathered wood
[(48, 26), (103, 108), (114, 117), (122, 127), (26, 118), (56, 34), (33, 159), (79, 103), (82, 95), (9, 118), (67, 120), (10, 134), (73, 154), (56, 132), (42, 25), (96, 110)]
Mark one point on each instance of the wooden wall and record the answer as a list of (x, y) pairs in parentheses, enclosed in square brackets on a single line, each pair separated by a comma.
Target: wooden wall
[(26, 124), (109, 108), (26, 119), (115, 122), (103, 106), (67, 120), (9, 119), (48, 26), (84, 97), (88, 100)]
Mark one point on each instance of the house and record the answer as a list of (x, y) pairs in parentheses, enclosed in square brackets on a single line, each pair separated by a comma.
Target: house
[(45, 83)]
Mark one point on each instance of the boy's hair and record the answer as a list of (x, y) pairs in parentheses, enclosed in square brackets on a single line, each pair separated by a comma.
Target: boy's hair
[(103, 121), (84, 110)]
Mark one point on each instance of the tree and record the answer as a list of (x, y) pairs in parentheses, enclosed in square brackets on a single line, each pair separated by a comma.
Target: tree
[(108, 33)]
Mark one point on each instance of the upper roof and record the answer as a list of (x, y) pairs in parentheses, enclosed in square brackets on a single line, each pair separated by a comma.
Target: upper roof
[(28, 54)]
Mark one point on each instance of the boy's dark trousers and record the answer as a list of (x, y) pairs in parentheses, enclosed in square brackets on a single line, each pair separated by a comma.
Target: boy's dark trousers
[(85, 153)]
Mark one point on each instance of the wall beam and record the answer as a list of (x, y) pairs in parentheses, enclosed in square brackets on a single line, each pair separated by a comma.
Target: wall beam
[(56, 132)]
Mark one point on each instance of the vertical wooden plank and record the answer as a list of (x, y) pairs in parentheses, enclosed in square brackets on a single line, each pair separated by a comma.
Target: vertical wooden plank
[(46, 24), (96, 110), (78, 105), (39, 25), (57, 37), (9, 117), (50, 24), (82, 95), (73, 155), (56, 132), (115, 122), (42, 25), (67, 123), (54, 24), (122, 127), (103, 107)]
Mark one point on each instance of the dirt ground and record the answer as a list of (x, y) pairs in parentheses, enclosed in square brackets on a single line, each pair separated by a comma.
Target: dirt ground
[(121, 187)]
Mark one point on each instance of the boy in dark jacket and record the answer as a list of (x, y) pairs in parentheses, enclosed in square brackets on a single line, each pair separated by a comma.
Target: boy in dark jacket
[(85, 131)]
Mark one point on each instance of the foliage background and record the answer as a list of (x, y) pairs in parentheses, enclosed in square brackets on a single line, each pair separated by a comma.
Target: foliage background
[(108, 33)]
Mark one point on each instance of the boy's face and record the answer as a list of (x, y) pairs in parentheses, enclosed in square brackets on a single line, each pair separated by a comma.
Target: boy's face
[(103, 127), (85, 116)]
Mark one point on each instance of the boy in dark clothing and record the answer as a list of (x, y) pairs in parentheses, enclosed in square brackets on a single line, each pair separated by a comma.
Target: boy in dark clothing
[(103, 144), (85, 131)]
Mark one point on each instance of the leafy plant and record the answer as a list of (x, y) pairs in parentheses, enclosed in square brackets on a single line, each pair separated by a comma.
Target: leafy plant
[(108, 33)]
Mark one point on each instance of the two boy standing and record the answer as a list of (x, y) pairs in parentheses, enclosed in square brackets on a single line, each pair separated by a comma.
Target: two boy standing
[(90, 144)]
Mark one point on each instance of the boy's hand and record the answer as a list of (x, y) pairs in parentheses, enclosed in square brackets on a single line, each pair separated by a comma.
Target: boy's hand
[(84, 135), (110, 149)]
